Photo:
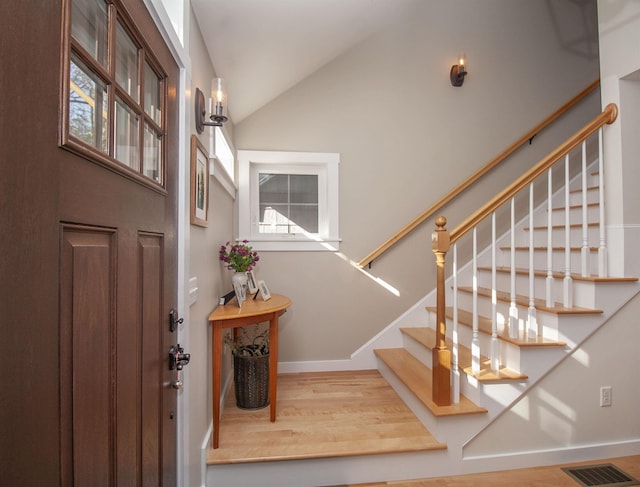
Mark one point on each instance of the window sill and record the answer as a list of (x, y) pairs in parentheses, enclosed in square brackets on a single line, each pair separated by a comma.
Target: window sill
[(292, 244)]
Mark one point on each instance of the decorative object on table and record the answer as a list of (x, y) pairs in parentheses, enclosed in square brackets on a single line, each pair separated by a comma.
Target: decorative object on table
[(199, 183), (241, 258), (250, 369), (264, 290), (252, 282)]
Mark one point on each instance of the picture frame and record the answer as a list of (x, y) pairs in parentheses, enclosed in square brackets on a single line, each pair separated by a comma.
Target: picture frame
[(199, 183), (240, 291), (252, 282), (264, 291)]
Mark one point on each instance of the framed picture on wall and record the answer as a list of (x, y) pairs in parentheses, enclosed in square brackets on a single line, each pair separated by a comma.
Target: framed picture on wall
[(199, 183)]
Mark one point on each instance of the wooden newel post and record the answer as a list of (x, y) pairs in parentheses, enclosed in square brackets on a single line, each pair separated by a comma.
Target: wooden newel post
[(441, 356)]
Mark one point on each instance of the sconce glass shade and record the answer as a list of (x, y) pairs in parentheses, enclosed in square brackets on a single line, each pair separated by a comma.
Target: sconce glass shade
[(218, 97), (217, 106)]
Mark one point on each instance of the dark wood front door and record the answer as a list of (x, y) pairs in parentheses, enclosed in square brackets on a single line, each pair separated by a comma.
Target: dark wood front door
[(88, 276)]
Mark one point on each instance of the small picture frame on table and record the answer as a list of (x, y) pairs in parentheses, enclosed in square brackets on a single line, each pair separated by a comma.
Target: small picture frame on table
[(264, 290), (240, 291), (252, 282)]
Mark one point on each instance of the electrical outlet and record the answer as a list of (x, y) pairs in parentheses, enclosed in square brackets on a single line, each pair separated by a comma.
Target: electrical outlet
[(605, 396)]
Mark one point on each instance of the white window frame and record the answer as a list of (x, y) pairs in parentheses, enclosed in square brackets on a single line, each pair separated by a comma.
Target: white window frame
[(323, 164)]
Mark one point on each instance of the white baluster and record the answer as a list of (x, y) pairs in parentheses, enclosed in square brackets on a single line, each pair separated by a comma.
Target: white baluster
[(603, 265), (495, 359), (475, 340), (568, 281), (532, 329), (549, 282), (584, 251), (513, 309), (455, 390)]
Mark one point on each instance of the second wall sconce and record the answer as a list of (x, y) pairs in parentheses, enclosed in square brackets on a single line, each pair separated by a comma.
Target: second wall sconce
[(219, 102), (458, 72)]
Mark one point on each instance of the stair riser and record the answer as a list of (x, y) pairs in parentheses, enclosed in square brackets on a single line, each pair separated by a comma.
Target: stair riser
[(465, 301), (575, 197), (557, 258), (558, 237), (503, 283), (575, 215)]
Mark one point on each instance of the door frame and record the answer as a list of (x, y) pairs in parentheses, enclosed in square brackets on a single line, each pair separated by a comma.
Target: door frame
[(181, 56)]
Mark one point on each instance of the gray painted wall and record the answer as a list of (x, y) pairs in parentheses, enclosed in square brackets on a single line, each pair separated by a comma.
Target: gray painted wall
[(406, 137)]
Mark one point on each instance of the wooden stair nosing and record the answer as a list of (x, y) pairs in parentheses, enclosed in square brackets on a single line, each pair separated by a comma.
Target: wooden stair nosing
[(579, 190), (573, 225), (560, 275), (540, 304), (540, 248), (574, 207), (427, 337), (484, 326), (417, 378)]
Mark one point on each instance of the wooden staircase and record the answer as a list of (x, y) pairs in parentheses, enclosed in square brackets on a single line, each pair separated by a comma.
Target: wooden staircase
[(523, 359)]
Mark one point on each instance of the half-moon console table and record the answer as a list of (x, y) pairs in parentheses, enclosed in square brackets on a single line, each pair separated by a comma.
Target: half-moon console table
[(253, 311)]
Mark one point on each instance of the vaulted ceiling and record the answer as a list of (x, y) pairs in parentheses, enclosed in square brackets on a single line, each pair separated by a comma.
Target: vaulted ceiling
[(264, 47)]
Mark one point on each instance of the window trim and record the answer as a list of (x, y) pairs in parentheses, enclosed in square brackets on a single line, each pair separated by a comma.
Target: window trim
[(249, 162)]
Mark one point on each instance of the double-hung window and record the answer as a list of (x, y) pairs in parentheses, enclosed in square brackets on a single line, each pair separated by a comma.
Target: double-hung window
[(288, 200)]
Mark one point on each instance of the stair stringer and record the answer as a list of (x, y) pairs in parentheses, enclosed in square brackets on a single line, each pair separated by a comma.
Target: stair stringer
[(576, 333)]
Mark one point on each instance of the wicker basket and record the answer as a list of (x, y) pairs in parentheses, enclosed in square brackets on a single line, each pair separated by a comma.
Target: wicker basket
[(251, 380)]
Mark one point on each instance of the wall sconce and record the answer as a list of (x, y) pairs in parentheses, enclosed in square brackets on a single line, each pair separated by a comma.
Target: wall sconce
[(458, 72), (219, 101)]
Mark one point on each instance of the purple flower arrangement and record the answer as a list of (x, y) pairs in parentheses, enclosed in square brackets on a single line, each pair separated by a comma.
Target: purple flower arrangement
[(239, 257)]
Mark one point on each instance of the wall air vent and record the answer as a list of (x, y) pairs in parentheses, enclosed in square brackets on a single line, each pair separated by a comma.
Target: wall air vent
[(605, 475)]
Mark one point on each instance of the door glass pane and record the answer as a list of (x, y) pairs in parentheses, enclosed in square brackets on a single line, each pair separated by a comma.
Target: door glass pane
[(127, 63), (152, 155), (152, 94), (88, 107), (126, 129), (89, 27)]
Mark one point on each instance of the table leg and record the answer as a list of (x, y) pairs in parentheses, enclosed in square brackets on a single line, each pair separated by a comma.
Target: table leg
[(216, 361), (273, 364)]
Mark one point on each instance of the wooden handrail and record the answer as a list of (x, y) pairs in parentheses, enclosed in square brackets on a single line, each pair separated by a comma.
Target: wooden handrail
[(413, 224), (608, 116)]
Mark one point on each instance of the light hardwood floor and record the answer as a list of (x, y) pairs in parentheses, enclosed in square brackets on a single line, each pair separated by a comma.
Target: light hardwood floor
[(336, 414), (329, 414), (529, 477)]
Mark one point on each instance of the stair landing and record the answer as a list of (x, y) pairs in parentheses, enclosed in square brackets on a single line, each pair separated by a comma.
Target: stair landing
[(322, 415)]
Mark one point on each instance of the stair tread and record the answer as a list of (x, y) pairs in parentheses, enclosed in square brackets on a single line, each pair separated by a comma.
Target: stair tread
[(573, 225), (427, 337), (484, 326), (561, 208), (538, 248), (560, 275), (417, 377), (540, 304)]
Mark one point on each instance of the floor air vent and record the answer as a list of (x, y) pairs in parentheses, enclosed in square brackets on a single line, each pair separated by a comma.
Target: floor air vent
[(606, 475)]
